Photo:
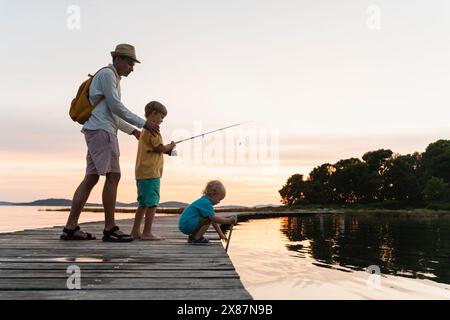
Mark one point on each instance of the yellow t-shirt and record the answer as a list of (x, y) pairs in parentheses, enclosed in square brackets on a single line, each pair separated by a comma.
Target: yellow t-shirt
[(149, 164)]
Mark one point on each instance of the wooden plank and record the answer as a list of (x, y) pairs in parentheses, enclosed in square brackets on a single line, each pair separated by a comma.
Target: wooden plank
[(119, 283), (24, 274), (169, 294), (92, 258), (116, 266), (44, 254)]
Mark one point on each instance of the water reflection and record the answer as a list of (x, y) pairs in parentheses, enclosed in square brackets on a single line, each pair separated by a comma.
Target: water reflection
[(417, 247)]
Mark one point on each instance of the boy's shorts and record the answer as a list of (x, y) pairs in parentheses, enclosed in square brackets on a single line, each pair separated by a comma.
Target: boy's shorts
[(148, 192), (202, 221)]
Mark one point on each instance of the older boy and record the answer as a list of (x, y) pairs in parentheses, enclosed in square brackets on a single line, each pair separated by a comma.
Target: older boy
[(149, 169)]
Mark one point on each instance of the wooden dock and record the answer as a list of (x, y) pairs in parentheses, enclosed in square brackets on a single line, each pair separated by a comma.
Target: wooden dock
[(34, 265)]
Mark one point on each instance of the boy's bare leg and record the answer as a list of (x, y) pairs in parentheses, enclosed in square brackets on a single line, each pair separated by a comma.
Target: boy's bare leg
[(109, 196), (136, 231), (79, 199), (147, 233), (200, 232)]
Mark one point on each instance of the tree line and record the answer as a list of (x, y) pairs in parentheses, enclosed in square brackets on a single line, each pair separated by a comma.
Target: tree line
[(381, 176)]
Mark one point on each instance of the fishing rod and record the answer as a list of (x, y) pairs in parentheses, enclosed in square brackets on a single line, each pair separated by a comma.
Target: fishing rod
[(229, 238), (206, 133), (173, 152)]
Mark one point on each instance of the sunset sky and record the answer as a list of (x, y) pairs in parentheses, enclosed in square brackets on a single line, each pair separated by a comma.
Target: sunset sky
[(320, 81)]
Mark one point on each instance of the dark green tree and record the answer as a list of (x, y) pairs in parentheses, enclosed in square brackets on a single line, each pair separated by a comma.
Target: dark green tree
[(318, 185), (293, 192), (376, 160), (352, 182), (402, 180), (436, 160), (436, 189)]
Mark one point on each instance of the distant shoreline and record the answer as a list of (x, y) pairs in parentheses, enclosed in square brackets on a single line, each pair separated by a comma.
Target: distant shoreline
[(272, 212), (55, 202)]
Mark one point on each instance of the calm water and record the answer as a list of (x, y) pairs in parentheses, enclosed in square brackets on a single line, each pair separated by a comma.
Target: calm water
[(16, 218), (327, 256)]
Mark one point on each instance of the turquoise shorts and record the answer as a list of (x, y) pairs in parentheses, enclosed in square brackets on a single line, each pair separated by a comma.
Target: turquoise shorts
[(148, 192), (201, 222)]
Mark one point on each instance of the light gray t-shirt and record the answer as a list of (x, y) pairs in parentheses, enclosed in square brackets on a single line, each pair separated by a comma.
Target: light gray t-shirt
[(110, 114)]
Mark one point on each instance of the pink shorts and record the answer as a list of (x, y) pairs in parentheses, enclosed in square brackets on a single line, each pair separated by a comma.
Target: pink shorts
[(103, 152)]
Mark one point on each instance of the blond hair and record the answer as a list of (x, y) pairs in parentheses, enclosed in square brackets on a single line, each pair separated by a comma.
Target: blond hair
[(155, 106), (214, 187)]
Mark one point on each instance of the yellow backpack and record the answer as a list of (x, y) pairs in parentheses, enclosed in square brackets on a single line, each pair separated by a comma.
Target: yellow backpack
[(81, 108)]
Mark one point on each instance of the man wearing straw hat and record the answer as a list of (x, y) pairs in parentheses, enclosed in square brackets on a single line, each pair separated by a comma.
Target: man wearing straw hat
[(100, 131)]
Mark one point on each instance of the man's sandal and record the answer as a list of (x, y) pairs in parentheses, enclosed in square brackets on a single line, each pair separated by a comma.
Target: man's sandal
[(112, 236), (70, 235)]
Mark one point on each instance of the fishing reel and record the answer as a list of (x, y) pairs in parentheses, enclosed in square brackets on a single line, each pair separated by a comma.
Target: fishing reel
[(172, 153)]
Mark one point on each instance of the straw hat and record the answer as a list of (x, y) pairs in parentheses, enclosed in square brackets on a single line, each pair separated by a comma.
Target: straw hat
[(125, 50)]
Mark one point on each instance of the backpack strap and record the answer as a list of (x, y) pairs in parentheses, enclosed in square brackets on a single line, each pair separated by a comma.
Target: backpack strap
[(92, 76), (107, 67)]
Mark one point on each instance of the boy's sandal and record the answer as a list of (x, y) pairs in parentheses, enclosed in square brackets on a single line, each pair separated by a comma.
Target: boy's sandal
[(201, 240), (70, 235), (112, 236)]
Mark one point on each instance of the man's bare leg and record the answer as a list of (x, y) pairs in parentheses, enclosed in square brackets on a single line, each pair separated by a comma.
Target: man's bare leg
[(80, 198), (109, 196)]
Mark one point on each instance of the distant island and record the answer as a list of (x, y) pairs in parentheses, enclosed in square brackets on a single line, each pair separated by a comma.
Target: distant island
[(52, 202)]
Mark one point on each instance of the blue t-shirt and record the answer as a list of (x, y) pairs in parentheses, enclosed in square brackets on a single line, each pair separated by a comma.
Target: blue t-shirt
[(190, 218)]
